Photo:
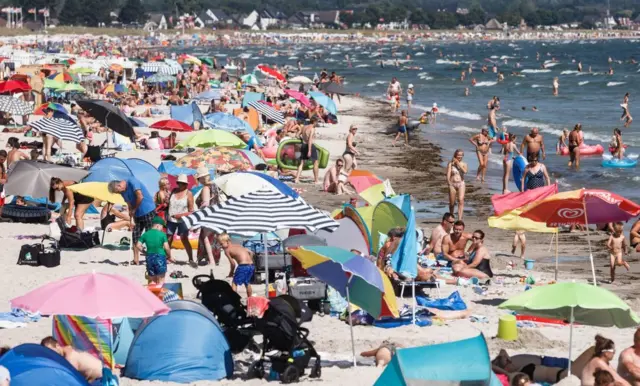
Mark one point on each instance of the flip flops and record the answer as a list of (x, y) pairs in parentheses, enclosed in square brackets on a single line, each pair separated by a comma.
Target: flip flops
[(178, 275)]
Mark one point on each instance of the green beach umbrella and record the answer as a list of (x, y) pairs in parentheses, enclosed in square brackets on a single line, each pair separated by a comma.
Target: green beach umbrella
[(82, 70), (212, 138), (53, 84), (249, 79), (206, 61), (71, 87), (576, 303)]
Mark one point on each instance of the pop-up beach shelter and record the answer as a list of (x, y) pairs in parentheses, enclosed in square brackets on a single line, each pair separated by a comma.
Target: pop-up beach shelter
[(110, 169), (432, 365), (187, 113), (186, 345), (36, 365)]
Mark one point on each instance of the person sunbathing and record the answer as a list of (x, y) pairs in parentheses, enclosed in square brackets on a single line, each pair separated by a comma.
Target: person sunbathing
[(603, 355), (383, 353), (539, 368), (86, 364)]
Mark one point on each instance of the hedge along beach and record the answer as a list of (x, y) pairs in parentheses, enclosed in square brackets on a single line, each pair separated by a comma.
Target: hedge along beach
[(418, 170)]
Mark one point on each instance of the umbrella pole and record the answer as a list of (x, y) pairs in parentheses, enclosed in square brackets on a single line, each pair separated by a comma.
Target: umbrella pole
[(570, 341), (266, 265), (586, 224), (353, 344), (556, 274), (551, 241)]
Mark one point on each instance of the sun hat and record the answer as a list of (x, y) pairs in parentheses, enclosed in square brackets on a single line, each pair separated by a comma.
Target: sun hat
[(158, 220), (202, 172), (182, 178), (410, 85)]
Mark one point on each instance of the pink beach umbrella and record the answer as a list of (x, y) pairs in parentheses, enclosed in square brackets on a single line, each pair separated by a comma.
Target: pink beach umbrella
[(92, 295), (300, 97)]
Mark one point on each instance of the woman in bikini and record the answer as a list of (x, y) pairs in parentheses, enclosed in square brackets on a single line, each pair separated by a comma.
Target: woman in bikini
[(509, 150), (350, 151), (456, 169), (482, 142)]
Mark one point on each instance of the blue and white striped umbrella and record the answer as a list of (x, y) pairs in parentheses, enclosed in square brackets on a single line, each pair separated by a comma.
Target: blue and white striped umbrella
[(268, 111), (59, 128)]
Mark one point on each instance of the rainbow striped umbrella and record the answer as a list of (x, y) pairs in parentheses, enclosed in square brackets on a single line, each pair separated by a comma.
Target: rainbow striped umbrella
[(355, 277), (62, 77)]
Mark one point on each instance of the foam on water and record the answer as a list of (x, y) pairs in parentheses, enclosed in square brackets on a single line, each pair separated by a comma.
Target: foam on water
[(381, 82), (532, 71), (569, 72), (539, 86), (461, 114), (446, 61), (465, 129), (583, 83), (611, 84), (419, 53), (551, 64), (362, 65), (486, 84)]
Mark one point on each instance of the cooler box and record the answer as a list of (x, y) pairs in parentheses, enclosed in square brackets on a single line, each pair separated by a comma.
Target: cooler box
[(276, 261), (307, 288)]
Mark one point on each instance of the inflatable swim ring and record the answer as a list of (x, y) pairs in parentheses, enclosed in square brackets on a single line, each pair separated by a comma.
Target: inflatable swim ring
[(585, 150), (26, 214), (289, 151), (519, 164), (193, 241), (624, 163), (270, 152)]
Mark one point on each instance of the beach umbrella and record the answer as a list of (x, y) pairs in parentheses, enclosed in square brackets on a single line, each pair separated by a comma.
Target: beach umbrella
[(51, 106), (13, 86), (160, 78), (97, 190), (33, 178), (207, 61), (71, 87), (91, 78), (582, 206), (262, 211), (109, 115), (171, 125), (363, 179), (300, 97), (576, 303), (324, 101), (222, 159), (300, 80), (249, 79), (408, 367), (82, 70), (116, 67), (271, 72), (208, 95), (212, 138), (52, 84), (354, 277), (61, 77), (269, 112), (253, 157), (227, 122), (238, 184), (135, 122), (92, 295), (14, 106), (59, 128)]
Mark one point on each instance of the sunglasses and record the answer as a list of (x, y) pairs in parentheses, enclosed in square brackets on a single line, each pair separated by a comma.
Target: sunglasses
[(451, 222), (339, 165), (476, 238)]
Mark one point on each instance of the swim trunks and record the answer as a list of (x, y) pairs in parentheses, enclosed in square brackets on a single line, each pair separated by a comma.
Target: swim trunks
[(243, 274), (492, 132), (304, 152), (156, 264), (402, 129)]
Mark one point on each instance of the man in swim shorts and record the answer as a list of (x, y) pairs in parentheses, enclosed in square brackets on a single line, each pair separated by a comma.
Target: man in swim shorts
[(438, 234), (308, 150), (453, 245), (402, 129), (534, 142), (243, 260), (394, 91)]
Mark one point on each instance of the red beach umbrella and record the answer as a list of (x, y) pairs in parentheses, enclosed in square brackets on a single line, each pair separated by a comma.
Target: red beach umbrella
[(13, 86), (172, 125), (271, 72)]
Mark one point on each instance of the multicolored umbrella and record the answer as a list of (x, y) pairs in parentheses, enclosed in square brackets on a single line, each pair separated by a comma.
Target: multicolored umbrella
[(114, 88), (271, 72), (82, 70), (363, 179), (207, 61), (62, 77), (171, 125), (221, 159), (378, 192), (13, 86), (576, 303), (50, 106), (355, 277), (94, 295), (212, 138)]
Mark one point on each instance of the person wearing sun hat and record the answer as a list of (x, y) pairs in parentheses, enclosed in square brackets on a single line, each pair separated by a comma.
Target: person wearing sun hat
[(158, 251), (208, 196), (181, 203)]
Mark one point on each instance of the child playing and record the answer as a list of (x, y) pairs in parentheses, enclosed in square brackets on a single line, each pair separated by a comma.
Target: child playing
[(616, 246), (239, 258), (158, 251)]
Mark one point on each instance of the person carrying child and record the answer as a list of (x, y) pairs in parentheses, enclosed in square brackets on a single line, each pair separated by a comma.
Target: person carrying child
[(158, 251), (617, 246), (241, 259)]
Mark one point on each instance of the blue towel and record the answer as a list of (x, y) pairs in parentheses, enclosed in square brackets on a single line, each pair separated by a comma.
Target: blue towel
[(453, 303), (555, 362), (19, 316)]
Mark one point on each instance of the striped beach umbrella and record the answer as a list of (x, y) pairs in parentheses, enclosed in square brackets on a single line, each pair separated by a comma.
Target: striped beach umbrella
[(261, 211), (268, 111), (14, 106), (59, 128)]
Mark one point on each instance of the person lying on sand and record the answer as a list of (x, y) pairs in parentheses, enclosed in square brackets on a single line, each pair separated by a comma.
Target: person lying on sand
[(383, 353), (538, 368), (86, 364)]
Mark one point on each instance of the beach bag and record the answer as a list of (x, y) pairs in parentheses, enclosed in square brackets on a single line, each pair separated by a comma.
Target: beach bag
[(29, 254), (81, 241), (49, 255)]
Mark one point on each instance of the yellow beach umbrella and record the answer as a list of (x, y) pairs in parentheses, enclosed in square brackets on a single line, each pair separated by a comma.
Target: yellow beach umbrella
[(97, 190), (512, 221)]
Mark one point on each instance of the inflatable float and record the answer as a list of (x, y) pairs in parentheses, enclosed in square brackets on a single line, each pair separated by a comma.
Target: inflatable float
[(613, 149), (585, 150), (624, 163), (519, 164), (193, 240), (289, 153)]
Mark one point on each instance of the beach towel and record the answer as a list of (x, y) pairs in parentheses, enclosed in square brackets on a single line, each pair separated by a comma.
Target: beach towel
[(452, 303), (18, 315), (422, 319)]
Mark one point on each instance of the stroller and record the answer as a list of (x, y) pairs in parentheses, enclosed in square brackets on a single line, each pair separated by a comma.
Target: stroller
[(279, 326)]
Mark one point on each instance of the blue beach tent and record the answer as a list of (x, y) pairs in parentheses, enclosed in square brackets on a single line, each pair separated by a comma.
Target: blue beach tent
[(187, 113), (433, 365), (186, 345), (110, 169), (35, 365)]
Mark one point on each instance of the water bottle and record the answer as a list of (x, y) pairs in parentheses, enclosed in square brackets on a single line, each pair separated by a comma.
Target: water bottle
[(298, 353)]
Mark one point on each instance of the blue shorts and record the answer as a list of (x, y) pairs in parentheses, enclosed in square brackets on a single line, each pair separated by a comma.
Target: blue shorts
[(402, 129), (156, 264), (176, 228), (243, 274)]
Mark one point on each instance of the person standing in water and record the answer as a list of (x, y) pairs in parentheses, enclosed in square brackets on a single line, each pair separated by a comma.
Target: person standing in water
[(509, 150), (402, 129), (562, 141), (394, 91), (556, 85), (492, 122), (482, 142), (616, 144), (534, 142), (575, 141), (579, 66), (626, 116)]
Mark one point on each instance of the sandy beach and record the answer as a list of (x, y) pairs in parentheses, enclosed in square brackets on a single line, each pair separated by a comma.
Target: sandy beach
[(417, 171)]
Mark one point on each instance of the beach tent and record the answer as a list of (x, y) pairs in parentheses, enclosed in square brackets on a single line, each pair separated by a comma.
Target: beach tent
[(110, 169), (186, 345), (36, 365), (386, 216), (348, 236), (187, 113), (169, 167), (405, 258), (361, 218), (409, 367), (251, 97)]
